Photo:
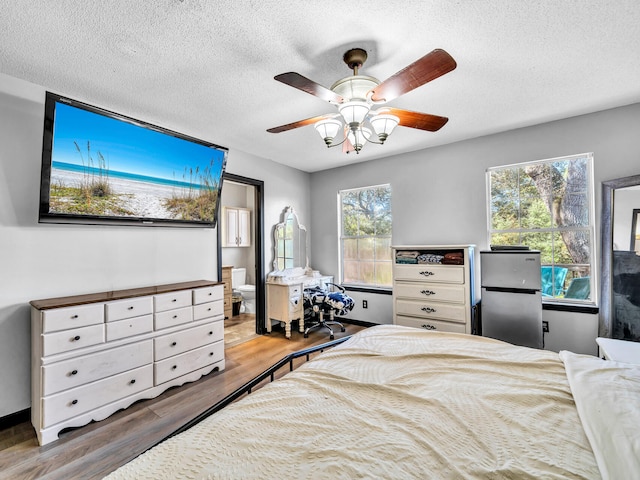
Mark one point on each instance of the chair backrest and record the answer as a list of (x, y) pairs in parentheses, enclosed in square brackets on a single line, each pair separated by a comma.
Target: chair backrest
[(579, 288), (553, 280)]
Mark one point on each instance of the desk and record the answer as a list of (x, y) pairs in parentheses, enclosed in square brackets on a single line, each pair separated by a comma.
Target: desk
[(619, 350), (285, 301)]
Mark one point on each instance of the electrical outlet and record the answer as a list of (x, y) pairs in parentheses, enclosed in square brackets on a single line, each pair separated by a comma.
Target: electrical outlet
[(365, 304), (545, 326)]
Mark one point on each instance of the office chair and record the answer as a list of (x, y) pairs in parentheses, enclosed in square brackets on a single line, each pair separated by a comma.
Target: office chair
[(319, 302)]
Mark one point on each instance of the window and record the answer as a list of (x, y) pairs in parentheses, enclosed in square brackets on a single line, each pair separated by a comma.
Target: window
[(365, 236), (548, 205)]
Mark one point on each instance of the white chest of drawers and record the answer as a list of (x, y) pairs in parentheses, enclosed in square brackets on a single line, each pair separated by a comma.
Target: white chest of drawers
[(434, 295), (93, 355)]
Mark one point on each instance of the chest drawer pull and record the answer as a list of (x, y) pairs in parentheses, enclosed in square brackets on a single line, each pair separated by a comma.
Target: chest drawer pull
[(76, 338), (427, 292), (74, 316), (426, 273), (210, 333), (174, 367), (426, 326), (428, 309), (173, 344), (174, 300), (211, 354), (132, 381), (130, 308), (74, 402), (74, 372)]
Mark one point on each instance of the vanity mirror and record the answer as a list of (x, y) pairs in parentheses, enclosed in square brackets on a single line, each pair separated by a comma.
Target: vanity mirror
[(620, 299), (290, 245)]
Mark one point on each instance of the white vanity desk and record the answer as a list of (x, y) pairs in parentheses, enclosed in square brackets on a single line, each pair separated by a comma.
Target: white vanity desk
[(285, 298), (291, 273)]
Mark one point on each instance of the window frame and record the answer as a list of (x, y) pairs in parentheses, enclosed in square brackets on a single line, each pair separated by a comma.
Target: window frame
[(590, 228), (362, 287)]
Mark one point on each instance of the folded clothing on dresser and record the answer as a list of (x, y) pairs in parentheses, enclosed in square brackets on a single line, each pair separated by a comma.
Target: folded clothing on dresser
[(407, 256), (453, 258), (430, 258)]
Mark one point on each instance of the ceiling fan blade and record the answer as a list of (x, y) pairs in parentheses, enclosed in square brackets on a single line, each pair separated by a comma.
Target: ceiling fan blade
[(431, 66), (296, 80), (301, 123), (421, 121)]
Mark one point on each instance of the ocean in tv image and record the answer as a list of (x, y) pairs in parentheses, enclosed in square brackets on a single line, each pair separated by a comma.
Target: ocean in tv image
[(108, 167)]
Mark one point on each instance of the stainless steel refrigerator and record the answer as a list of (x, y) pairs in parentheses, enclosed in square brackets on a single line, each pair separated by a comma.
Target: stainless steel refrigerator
[(511, 303)]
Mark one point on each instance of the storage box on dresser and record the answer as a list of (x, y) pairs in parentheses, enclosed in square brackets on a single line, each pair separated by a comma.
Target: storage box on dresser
[(431, 294), (95, 354)]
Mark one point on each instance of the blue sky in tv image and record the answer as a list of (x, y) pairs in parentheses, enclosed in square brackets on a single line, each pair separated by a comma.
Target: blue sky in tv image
[(130, 151)]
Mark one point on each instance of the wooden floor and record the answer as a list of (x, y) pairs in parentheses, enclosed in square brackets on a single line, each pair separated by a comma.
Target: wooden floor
[(92, 451)]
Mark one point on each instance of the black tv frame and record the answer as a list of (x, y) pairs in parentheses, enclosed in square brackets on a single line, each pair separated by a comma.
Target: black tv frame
[(47, 216)]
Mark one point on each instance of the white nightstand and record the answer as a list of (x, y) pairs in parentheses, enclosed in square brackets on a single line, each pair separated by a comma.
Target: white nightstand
[(619, 350)]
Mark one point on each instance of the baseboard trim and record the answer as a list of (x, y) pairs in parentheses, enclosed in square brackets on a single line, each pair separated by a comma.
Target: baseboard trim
[(14, 419)]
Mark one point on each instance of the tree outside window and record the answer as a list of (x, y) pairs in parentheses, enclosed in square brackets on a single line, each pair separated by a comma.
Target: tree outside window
[(548, 205), (365, 236)]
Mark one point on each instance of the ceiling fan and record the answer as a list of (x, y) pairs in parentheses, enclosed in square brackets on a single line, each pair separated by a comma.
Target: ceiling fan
[(357, 94)]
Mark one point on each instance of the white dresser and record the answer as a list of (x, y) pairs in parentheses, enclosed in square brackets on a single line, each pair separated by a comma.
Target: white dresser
[(285, 302), (433, 287), (95, 354)]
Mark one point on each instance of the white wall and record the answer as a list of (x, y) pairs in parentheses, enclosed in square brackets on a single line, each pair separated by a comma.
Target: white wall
[(439, 197), (40, 261)]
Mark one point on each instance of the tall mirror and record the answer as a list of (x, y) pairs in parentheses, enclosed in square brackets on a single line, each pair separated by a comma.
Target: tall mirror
[(290, 245), (620, 305)]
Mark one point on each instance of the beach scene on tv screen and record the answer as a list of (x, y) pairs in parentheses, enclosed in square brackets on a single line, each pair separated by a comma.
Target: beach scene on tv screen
[(107, 167)]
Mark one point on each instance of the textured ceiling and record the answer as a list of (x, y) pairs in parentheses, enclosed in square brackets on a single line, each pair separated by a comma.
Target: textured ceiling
[(206, 68)]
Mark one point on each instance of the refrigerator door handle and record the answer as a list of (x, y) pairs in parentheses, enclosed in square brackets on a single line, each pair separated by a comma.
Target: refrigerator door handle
[(511, 290)]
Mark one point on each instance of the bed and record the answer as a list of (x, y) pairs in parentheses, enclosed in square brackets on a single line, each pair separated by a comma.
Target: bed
[(398, 402)]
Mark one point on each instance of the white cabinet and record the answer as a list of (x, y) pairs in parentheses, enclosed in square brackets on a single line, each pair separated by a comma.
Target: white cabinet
[(433, 287), (236, 227), (93, 355)]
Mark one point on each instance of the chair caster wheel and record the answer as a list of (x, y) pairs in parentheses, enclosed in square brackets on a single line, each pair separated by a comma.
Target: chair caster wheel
[(342, 329), (306, 335), (332, 337)]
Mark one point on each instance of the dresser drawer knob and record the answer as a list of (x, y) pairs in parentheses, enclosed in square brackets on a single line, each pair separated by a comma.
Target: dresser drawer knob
[(74, 316), (175, 316), (174, 367), (426, 273), (174, 300), (74, 372), (210, 293), (426, 326), (427, 292), (210, 333), (130, 308), (173, 344), (209, 309), (74, 402), (428, 309), (76, 338), (211, 354), (132, 381)]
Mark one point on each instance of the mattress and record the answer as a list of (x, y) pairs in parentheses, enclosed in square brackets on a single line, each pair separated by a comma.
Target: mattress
[(395, 402)]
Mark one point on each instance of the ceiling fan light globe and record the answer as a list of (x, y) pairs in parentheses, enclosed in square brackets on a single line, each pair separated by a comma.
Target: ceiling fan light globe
[(358, 137), (328, 129), (354, 111), (384, 124)]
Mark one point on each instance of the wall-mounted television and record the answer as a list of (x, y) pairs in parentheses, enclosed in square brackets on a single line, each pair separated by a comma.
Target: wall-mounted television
[(102, 167)]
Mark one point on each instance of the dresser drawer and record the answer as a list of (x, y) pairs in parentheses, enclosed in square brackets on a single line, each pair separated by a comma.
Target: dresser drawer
[(442, 311), (171, 318), (179, 365), (296, 307), (430, 273), (76, 401), (176, 343), (129, 327), (131, 307), (430, 324), (207, 310), (72, 317), (96, 366), (72, 339), (172, 300), (208, 294), (433, 291)]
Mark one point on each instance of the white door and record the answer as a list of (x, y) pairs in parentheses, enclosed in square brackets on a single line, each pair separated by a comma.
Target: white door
[(244, 227)]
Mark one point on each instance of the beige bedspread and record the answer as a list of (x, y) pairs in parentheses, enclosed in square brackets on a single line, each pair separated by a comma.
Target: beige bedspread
[(392, 403)]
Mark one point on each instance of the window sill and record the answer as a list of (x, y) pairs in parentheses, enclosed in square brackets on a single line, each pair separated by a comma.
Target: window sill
[(363, 289), (570, 307)]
